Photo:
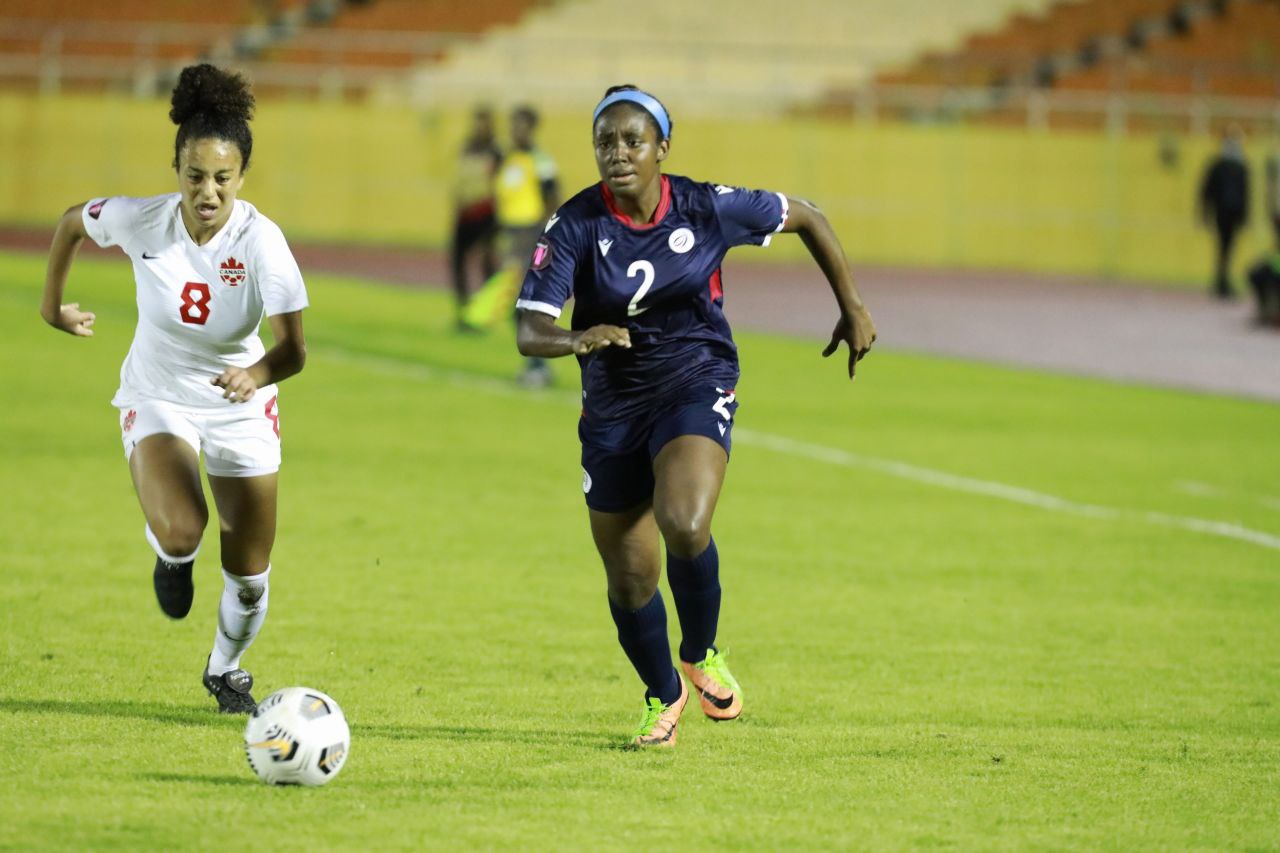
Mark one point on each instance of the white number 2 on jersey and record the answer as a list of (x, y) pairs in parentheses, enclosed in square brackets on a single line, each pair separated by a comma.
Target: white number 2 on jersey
[(645, 269)]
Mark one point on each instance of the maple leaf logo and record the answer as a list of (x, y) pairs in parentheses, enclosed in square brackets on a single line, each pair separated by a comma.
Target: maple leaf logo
[(231, 271)]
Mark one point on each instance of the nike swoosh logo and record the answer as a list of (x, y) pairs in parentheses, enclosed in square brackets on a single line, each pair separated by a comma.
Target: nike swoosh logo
[(147, 257), (722, 704)]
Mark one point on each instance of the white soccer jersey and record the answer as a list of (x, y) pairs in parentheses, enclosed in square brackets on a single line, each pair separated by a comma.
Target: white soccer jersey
[(199, 307)]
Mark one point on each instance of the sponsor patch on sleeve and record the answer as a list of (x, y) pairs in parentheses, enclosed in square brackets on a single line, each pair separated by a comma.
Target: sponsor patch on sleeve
[(541, 255), (95, 210)]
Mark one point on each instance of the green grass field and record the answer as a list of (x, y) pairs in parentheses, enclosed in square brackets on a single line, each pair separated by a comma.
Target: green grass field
[(928, 658)]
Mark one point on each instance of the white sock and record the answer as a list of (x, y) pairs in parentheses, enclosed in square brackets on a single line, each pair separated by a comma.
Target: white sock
[(240, 615), (168, 558)]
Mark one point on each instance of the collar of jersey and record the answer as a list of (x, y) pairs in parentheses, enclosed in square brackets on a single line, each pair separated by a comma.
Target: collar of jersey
[(664, 204), (182, 226)]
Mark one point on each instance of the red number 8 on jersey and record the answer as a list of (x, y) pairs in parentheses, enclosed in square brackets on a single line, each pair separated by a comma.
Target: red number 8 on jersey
[(195, 303)]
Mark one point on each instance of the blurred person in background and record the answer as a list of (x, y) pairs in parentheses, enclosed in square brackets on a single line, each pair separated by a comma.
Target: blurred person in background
[(1273, 188), (640, 252), (1264, 276), (526, 190), (475, 227), (1224, 204), (197, 379)]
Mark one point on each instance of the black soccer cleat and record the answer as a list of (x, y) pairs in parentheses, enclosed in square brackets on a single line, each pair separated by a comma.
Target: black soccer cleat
[(231, 690), (174, 589)]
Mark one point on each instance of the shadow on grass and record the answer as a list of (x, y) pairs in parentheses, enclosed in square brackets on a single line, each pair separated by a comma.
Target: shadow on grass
[(192, 716), (196, 779), (532, 737), (181, 715)]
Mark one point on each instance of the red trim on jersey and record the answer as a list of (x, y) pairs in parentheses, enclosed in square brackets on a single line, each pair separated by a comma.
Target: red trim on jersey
[(713, 283), (664, 204)]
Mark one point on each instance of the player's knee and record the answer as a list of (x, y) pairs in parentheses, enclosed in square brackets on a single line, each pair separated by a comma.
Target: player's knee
[(245, 565), (179, 537), (686, 533), (632, 589)]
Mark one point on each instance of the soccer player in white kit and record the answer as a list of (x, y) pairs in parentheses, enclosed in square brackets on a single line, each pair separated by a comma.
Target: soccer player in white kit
[(197, 378)]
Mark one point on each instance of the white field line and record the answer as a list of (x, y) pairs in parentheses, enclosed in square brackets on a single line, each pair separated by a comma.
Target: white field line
[(1206, 490), (989, 488), (836, 456)]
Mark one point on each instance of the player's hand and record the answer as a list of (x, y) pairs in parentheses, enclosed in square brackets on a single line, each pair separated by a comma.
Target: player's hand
[(238, 384), (858, 331), (73, 321), (599, 337)]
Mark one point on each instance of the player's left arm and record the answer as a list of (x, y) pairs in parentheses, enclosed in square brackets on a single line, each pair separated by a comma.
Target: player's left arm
[(548, 183), (285, 358), (550, 189), (855, 326)]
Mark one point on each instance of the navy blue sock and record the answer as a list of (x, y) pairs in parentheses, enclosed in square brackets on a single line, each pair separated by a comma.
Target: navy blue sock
[(643, 635), (695, 586)]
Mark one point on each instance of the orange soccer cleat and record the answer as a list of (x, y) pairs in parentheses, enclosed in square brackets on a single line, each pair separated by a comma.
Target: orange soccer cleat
[(718, 690)]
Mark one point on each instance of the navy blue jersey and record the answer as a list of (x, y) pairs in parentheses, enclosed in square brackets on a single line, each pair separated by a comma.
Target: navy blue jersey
[(660, 280)]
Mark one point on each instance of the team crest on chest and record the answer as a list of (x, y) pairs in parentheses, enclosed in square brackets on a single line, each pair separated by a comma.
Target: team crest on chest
[(231, 272), (680, 241)]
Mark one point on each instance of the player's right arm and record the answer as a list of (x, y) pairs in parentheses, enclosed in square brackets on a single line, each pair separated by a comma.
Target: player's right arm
[(547, 286), (538, 335), (66, 242)]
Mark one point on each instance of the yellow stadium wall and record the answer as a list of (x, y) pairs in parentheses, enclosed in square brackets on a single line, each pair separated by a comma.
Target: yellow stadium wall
[(1062, 202)]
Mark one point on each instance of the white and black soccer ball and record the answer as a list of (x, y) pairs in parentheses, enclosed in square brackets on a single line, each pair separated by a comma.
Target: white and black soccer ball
[(297, 736)]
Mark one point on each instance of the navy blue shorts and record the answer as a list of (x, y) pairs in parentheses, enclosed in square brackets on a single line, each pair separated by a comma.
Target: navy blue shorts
[(617, 457)]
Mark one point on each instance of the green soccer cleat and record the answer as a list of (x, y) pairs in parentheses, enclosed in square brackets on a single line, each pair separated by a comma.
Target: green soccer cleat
[(658, 725)]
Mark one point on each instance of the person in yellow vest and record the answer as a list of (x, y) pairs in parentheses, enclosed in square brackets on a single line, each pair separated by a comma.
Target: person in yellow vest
[(527, 193)]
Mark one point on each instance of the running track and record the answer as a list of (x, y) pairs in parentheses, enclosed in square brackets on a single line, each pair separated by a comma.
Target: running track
[(1125, 333)]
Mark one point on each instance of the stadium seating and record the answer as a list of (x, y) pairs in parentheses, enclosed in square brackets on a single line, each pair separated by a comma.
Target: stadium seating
[(287, 45), (95, 44), (746, 53), (396, 34), (129, 11), (717, 56), (1020, 45), (1236, 53), (1152, 46)]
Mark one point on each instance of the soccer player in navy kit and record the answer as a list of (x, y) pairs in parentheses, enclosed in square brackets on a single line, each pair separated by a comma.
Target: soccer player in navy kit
[(640, 254)]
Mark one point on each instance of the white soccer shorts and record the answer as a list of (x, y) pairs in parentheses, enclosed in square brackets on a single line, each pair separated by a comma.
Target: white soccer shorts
[(238, 440)]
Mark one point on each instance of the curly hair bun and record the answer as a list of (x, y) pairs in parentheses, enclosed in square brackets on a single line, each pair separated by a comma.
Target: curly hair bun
[(205, 89)]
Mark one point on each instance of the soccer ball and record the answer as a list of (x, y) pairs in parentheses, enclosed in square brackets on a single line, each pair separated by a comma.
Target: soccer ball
[(297, 736)]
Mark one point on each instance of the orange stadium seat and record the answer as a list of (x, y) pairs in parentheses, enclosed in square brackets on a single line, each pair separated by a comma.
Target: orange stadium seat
[(1023, 39), (130, 11), (439, 16), (1236, 53), (139, 31)]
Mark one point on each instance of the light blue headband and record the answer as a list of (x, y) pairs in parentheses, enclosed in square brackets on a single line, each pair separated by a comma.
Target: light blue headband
[(644, 100)]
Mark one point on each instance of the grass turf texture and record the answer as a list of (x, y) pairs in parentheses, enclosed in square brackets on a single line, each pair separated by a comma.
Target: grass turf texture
[(922, 666)]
